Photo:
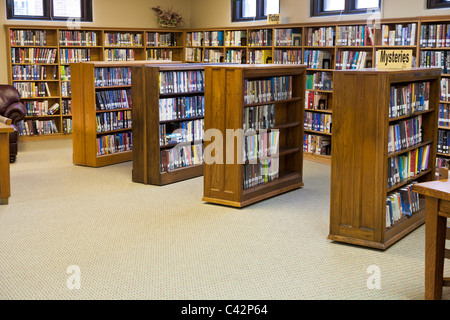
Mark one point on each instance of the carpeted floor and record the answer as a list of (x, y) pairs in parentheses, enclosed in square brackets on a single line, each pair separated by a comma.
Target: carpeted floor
[(132, 241)]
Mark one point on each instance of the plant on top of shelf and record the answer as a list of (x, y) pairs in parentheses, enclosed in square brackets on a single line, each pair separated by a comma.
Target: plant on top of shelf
[(168, 18)]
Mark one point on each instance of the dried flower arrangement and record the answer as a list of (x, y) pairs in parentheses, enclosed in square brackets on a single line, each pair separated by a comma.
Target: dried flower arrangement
[(168, 18)]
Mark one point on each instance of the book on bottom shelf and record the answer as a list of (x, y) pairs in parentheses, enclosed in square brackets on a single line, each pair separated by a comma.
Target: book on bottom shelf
[(181, 156), (402, 203)]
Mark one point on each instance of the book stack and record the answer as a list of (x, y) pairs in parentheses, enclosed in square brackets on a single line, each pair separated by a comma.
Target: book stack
[(319, 81), (111, 121), (260, 146), (64, 71), (181, 81), (106, 77), (288, 57), (67, 126), (235, 38), (37, 127), (288, 37), (260, 38), (407, 166), (441, 163), (435, 35), (259, 118), (120, 55), (213, 38), (113, 99), (180, 132), (33, 55), (116, 143), (444, 115), (66, 89), (406, 100), (181, 108), (445, 90), (29, 72), (405, 134), (316, 144), (156, 39), (235, 56), (32, 89), (402, 203), (443, 143), (318, 122), (194, 39), (400, 35), (316, 100), (260, 57), (348, 60), (193, 54), (123, 39), (28, 37), (317, 59), (431, 59), (181, 157), (77, 38), (159, 54), (354, 36), (67, 107), (74, 55), (265, 171), (272, 89), (213, 56), (36, 108), (321, 37)]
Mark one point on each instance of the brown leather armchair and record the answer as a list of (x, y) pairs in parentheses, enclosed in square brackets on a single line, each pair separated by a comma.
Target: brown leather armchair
[(12, 108)]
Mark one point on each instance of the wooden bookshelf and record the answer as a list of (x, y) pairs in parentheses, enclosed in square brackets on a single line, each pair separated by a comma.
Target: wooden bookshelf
[(225, 109), (360, 160), (147, 98), (85, 110)]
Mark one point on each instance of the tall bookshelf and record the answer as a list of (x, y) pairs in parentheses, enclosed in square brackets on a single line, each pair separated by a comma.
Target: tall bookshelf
[(229, 106), (366, 157), (168, 116), (102, 112)]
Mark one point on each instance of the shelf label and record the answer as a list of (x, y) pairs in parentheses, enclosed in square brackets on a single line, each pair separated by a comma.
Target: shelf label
[(273, 18), (394, 59)]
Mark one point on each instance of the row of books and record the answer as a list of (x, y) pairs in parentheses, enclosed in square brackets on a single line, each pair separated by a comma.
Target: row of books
[(407, 166), (401, 35), (443, 142), (440, 59), (317, 59), (123, 39), (259, 118), (287, 57), (235, 56), (316, 144), (213, 38), (77, 38), (408, 99), (405, 134), (444, 115), (111, 121), (354, 36), (235, 38), (261, 146), (66, 107), (37, 127), (260, 38), (348, 60), (288, 37), (181, 108), (321, 37), (194, 39), (181, 81), (74, 55), (40, 108), (67, 126), (319, 122), (28, 37), (64, 71), (66, 89), (159, 54), (260, 57), (33, 55), (107, 77), (213, 56), (193, 54), (441, 163), (119, 55), (263, 172), (181, 157), (445, 89), (316, 100), (435, 35), (33, 89), (319, 81), (113, 99), (266, 90), (186, 131), (403, 203), (114, 143), (29, 72), (157, 39)]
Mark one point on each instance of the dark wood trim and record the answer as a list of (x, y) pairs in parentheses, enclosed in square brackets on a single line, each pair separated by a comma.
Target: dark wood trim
[(437, 4)]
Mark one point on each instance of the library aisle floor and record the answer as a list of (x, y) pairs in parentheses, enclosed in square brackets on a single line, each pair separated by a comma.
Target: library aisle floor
[(133, 241)]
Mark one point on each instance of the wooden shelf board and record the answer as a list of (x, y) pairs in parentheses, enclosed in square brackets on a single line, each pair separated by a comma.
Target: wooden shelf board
[(319, 158), (272, 102), (319, 111), (410, 115), (408, 181), (417, 146)]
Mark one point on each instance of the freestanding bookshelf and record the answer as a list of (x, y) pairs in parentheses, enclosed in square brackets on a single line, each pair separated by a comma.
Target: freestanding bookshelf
[(102, 135), (364, 163), (155, 88), (228, 101)]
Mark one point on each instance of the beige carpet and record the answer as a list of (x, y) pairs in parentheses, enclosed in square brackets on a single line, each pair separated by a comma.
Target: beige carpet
[(132, 241)]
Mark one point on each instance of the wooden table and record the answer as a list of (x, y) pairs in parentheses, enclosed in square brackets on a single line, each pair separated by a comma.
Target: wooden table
[(437, 195), (5, 190)]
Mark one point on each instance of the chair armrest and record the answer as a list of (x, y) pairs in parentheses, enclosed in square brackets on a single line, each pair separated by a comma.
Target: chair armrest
[(16, 112)]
